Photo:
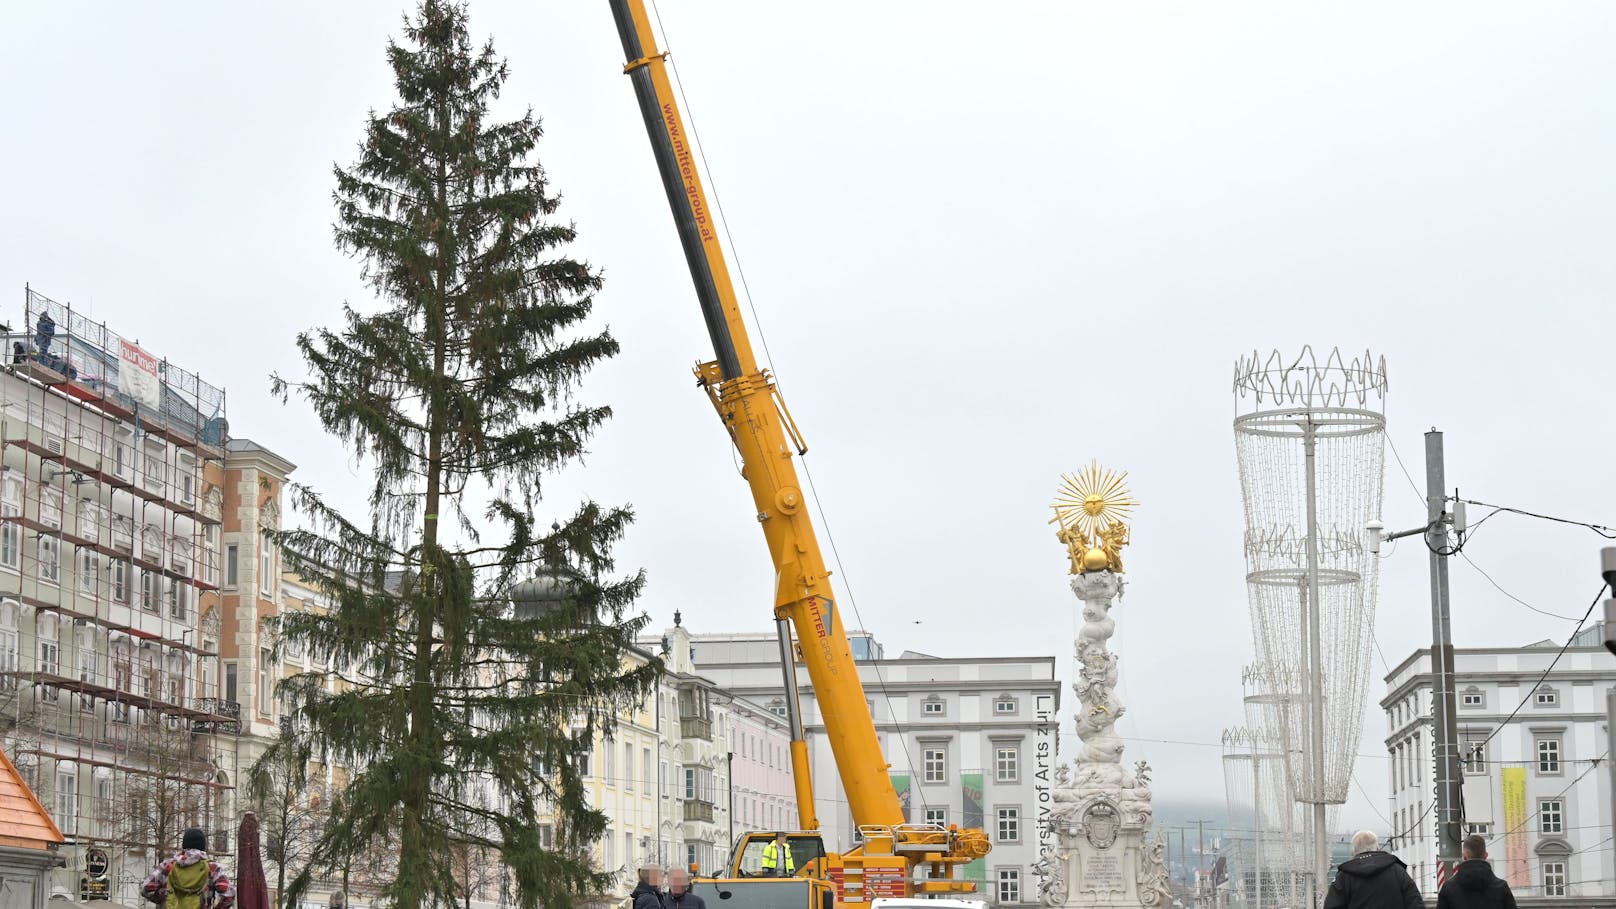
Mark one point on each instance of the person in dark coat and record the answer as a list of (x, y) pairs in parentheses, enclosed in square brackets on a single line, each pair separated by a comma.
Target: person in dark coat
[(1473, 885), (679, 895), (1372, 879), (648, 892)]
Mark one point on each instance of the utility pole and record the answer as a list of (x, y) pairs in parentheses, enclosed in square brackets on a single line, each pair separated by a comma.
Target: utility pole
[(1444, 719), (1607, 566), (1200, 855), (1445, 724)]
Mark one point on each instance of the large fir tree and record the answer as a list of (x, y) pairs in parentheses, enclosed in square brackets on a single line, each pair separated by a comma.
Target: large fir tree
[(462, 716)]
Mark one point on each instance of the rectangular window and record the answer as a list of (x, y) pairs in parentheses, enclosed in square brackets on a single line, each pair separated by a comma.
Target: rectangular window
[(1478, 830), (151, 589), (50, 508), (609, 846), (120, 581), (50, 559), (1004, 706), (1554, 878), (938, 816), (936, 765), (230, 693), (1007, 764), (1548, 755), (1009, 825), (155, 469), (89, 520), (932, 708), (1009, 885), (628, 849), (645, 766), (1547, 697), (546, 836), (8, 659), (611, 763), (179, 600), (1551, 816), (89, 572), (67, 801), (266, 686), (232, 564), (10, 536), (49, 658), (1473, 698), (690, 783), (1473, 752), (87, 673), (266, 566), (628, 767), (584, 756)]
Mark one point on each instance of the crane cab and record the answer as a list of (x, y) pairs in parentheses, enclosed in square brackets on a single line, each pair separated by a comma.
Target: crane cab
[(807, 854)]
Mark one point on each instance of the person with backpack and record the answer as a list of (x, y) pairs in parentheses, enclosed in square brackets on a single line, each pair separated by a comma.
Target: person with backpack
[(188, 880)]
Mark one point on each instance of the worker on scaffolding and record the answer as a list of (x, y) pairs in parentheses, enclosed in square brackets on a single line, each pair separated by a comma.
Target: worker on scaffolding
[(189, 880)]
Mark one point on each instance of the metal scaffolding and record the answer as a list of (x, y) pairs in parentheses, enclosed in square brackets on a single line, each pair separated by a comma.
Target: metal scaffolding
[(1308, 436), (110, 515)]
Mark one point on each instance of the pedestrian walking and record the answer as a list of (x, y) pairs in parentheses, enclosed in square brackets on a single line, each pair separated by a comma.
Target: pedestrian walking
[(648, 892), (1473, 884), (1372, 879), (679, 895), (188, 880)]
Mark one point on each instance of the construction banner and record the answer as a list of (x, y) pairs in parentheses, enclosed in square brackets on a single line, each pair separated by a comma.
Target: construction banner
[(900, 783), (1516, 848), (971, 816), (137, 375)]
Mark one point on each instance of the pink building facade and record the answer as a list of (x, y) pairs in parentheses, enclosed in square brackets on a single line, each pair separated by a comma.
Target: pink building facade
[(761, 743)]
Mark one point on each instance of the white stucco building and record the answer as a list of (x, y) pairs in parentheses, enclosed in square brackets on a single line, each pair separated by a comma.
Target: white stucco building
[(971, 740), (1536, 783)]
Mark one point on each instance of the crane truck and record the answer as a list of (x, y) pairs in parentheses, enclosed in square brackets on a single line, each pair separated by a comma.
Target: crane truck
[(893, 858)]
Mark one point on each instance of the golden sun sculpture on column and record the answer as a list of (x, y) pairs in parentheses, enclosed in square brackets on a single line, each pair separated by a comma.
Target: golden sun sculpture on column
[(1092, 509)]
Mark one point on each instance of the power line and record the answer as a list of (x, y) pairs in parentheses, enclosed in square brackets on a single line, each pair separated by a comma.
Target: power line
[(1500, 589), (1532, 691), (1522, 825), (1411, 484), (1608, 533)]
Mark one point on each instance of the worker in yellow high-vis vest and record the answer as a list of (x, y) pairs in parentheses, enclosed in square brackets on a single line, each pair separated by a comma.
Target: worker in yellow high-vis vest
[(773, 855)]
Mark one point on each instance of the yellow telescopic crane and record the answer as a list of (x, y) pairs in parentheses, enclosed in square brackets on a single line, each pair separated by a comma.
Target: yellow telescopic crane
[(762, 430)]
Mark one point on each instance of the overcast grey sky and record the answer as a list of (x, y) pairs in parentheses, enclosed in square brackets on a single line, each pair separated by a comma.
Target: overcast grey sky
[(987, 241)]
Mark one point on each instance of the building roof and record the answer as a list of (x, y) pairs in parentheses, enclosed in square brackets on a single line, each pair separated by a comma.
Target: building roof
[(238, 450), (23, 820)]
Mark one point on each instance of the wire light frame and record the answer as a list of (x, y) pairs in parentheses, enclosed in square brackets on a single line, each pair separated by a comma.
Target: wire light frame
[(1309, 441)]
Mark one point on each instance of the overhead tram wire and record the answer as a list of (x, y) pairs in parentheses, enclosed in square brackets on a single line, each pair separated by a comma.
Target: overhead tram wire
[(768, 357), (1500, 589), (1532, 691)]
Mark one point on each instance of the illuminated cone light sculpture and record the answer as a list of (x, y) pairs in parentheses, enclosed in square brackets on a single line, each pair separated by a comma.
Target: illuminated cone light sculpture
[(1309, 436)]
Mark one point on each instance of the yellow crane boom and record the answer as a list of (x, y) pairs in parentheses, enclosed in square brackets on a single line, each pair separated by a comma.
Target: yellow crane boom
[(749, 404)]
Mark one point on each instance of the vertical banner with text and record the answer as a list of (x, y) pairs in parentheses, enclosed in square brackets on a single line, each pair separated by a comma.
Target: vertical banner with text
[(1515, 845), (137, 375)]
